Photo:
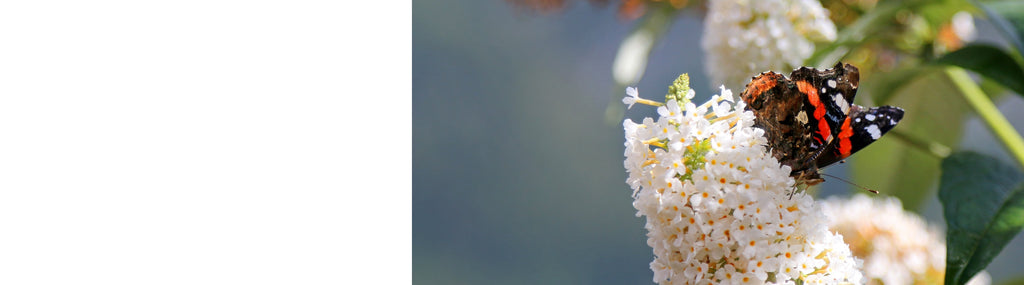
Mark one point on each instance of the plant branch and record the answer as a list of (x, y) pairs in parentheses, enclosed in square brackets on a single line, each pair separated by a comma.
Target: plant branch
[(988, 112), (932, 148)]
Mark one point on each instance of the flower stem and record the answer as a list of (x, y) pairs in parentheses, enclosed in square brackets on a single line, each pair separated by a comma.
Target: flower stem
[(649, 102), (988, 112), (655, 142), (935, 149)]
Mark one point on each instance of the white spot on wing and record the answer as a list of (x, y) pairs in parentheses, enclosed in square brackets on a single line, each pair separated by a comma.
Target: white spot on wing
[(831, 83), (841, 102), (870, 117), (874, 131)]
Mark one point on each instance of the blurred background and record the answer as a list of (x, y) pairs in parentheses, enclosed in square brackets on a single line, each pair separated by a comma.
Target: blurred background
[(517, 173)]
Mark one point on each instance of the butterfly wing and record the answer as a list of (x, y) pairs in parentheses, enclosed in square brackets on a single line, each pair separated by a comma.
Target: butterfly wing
[(829, 94), (864, 126)]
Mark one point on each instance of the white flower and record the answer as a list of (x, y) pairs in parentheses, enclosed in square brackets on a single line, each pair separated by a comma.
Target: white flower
[(718, 205), (746, 37), (963, 26), (897, 247), (632, 96)]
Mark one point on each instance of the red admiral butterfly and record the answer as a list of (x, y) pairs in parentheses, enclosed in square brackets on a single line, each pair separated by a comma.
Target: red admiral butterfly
[(809, 119)]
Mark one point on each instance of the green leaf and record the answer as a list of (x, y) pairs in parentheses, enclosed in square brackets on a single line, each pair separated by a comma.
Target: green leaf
[(1008, 17), (939, 13), (989, 61), (934, 111), (854, 34), (983, 203), (888, 22)]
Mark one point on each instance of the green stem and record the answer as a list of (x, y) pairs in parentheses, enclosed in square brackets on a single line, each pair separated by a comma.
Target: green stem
[(935, 149), (988, 112)]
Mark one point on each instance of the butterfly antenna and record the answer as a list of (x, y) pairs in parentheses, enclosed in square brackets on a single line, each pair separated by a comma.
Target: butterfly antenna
[(851, 183)]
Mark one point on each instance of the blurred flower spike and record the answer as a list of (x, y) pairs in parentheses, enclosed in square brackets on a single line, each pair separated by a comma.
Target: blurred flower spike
[(627, 9), (742, 38), (898, 247), (718, 206)]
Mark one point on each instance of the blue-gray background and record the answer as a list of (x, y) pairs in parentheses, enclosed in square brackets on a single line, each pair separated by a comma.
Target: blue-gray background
[(517, 177)]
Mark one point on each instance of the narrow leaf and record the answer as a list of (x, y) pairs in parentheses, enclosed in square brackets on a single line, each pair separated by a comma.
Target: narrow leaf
[(854, 34), (983, 203), (991, 62), (1008, 17)]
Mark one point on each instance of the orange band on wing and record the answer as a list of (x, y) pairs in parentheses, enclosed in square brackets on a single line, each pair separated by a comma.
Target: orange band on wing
[(819, 108), (761, 84), (844, 139)]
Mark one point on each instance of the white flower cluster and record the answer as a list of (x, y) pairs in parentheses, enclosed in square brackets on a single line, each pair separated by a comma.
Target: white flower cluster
[(718, 206), (744, 37), (897, 247)]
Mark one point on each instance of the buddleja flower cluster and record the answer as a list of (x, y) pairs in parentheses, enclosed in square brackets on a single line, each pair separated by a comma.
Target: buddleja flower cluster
[(747, 37), (898, 247), (718, 206)]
